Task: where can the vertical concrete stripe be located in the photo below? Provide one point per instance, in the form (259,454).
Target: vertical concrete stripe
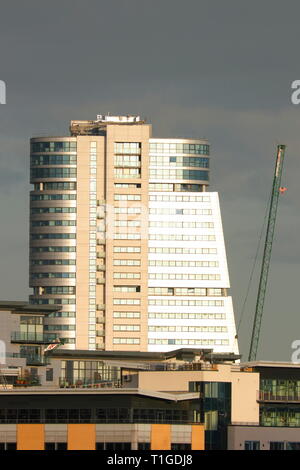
(30,436)
(81,436)
(160,436)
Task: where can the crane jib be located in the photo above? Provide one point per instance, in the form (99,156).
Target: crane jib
(267,254)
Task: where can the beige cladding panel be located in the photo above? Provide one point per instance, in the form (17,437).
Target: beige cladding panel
(122,133)
(244,387)
(82,255)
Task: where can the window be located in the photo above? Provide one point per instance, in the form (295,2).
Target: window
(53,210)
(179,237)
(127,160)
(52,302)
(128,185)
(128,210)
(127,173)
(53,172)
(190,329)
(11,446)
(173,224)
(62,315)
(127,288)
(127,275)
(210,264)
(179,276)
(276,445)
(127,262)
(172,198)
(182,316)
(127,301)
(53,160)
(171,211)
(127,236)
(252,445)
(53,197)
(53,276)
(191,342)
(118,446)
(144,446)
(56,446)
(59,290)
(127,223)
(54,223)
(179,446)
(128,148)
(59,327)
(51,262)
(126,314)
(61,185)
(174,148)
(127,197)
(126,341)
(292,446)
(53,249)
(178,174)
(46,236)
(69,146)
(127,249)
(187,302)
(179,161)
(126,328)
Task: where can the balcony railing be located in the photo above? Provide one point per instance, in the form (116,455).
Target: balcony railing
(31,359)
(64,383)
(25,337)
(275,397)
(191,366)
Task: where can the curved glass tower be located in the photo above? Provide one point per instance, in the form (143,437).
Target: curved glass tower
(125,236)
(53,230)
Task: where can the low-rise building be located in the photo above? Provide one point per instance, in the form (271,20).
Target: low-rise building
(23,341)
(55,398)
(278,397)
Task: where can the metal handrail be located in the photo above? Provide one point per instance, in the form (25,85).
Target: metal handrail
(33,337)
(270,396)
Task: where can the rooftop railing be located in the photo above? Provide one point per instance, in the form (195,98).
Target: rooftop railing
(85,383)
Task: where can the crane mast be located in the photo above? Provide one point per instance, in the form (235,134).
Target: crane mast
(267,253)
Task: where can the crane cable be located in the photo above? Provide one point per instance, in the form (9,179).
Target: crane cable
(254,265)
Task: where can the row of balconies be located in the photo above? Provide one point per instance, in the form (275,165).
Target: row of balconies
(26,337)
(264,396)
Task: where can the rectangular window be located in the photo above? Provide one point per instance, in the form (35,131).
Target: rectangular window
(252,445)
(126,314)
(126,341)
(126,328)
(276,445)
(133,148)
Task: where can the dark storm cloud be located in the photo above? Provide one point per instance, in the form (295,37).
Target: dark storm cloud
(222,70)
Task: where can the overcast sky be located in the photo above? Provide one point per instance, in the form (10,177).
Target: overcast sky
(199,68)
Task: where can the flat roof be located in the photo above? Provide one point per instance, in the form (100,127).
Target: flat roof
(278,364)
(26,307)
(176,353)
(184,354)
(104,391)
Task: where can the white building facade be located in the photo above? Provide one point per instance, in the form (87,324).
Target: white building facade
(188,303)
